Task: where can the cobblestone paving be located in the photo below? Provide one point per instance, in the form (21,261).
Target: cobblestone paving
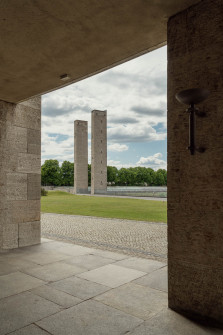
(136,238)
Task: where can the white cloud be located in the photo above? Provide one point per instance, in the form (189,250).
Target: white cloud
(120,165)
(117,147)
(111,162)
(134,95)
(134,133)
(155,161)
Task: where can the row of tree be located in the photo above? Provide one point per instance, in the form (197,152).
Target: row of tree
(53,174)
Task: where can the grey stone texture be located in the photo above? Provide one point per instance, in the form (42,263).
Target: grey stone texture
(111,275)
(20,168)
(30,330)
(23,309)
(136,238)
(139,301)
(170,323)
(80,156)
(33,186)
(81,288)
(195,187)
(88,262)
(58,297)
(98,151)
(140,264)
(75,305)
(156,280)
(91,318)
(29,233)
(44,258)
(17,282)
(53,272)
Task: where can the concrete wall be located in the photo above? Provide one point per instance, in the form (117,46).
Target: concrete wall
(20,173)
(195,185)
(98,151)
(80,156)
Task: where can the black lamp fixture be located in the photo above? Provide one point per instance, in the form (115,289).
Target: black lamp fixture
(191,97)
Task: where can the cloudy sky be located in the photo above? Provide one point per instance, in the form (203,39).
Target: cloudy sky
(134,95)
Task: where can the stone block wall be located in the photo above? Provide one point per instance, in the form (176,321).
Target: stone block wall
(80,157)
(98,151)
(20,173)
(195,184)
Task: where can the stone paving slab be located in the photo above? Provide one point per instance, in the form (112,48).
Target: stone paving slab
(30,330)
(46,257)
(157,280)
(167,322)
(136,238)
(135,299)
(79,287)
(23,309)
(58,297)
(11,262)
(111,275)
(141,264)
(54,271)
(17,282)
(89,262)
(91,318)
(109,254)
(76,305)
(69,249)
(6,268)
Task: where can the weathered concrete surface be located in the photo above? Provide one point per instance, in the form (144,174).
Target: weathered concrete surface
(20,173)
(81,38)
(195,186)
(80,156)
(98,151)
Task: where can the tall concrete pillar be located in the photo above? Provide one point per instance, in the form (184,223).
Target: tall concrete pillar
(98,151)
(80,157)
(195,184)
(20,173)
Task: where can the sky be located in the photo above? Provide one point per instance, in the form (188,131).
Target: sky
(134,95)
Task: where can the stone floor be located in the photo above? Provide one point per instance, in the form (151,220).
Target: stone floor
(65,289)
(135,238)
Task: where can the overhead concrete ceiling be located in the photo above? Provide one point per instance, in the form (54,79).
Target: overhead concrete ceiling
(40,40)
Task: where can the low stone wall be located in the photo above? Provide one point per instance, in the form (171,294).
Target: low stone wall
(159,192)
(68,189)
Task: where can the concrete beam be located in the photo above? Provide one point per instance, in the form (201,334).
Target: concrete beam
(42,40)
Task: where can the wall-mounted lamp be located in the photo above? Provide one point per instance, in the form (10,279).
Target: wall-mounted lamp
(191,97)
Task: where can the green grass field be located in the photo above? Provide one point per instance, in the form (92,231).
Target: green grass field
(108,207)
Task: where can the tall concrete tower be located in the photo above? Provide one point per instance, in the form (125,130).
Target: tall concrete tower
(80,156)
(98,151)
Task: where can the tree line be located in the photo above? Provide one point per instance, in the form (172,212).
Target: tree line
(54,174)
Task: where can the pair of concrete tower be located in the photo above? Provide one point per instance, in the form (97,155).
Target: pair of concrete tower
(98,154)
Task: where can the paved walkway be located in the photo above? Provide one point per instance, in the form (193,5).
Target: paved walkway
(136,238)
(60,288)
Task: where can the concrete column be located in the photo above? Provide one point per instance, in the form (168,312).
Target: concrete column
(20,173)
(195,184)
(80,157)
(98,151)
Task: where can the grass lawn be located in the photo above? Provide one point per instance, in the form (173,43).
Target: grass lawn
(108,207)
